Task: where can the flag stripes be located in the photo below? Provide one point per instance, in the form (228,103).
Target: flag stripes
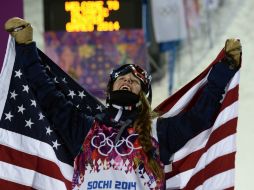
(193,158)
(219,165)
(222,180)
(35,163)
(29,177)
(229,114)
(212,152)
(6,184)
(24,144)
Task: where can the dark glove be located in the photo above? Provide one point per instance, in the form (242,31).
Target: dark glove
(20,29)
(233,50)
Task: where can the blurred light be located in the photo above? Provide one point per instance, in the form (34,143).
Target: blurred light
(86,15)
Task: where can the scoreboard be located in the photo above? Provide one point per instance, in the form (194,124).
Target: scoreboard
(92,15)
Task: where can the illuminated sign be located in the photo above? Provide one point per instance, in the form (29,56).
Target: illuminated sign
(88,16)
(92,15)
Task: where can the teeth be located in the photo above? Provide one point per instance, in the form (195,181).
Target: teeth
(125,88)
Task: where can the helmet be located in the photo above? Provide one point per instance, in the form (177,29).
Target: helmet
(138,72)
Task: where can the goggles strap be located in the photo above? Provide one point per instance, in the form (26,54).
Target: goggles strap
(125,107)
(119,113)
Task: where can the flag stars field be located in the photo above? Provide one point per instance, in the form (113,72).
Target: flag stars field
(13,95)
(81,94)
(55,79)
(64,80)
(33,103)
(29,123)
(8,116)
(55,144)
(25,88)
(18,73)
(41,116)
(21,109)
(88,108)
(48,130)
(99,108)
(48,67)
(71,93)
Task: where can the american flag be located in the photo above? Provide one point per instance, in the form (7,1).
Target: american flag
(207,161)
(32,154)
(34,157)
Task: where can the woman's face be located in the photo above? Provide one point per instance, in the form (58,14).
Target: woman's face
(127,82)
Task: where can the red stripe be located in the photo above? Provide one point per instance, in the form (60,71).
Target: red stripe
(31,162)
(171,101)
(219,165)
(191,160)
(231,97)
(220,133)
(8,185)
(166,105)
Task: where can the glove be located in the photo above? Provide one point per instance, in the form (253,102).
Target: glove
(20,29)
(233,50)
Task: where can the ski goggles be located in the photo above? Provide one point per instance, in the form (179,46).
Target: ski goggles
(137,71)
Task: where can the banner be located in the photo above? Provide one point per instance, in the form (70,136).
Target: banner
(90,57)
(168,20)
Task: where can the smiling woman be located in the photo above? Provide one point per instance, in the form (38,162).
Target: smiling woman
(128,82)
(129,79)
(132,78)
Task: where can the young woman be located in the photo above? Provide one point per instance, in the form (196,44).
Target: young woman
(125,147)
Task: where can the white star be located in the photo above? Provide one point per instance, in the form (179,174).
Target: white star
(89,108)
(25,88)
(55,79)
(55,144)
(21,109)
(64,80)
(41,116)
(48,130)
(29,123)
(47,67)
(71,93)
(8,116)
(13,95)
(81,94)
(18,73)
(33,103)
(99,108)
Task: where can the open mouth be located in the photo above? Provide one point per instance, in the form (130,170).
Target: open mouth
(124,87)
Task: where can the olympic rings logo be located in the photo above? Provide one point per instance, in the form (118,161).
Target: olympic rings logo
(107,142)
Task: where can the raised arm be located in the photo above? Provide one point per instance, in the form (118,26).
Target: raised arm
(66,118)
(174,132)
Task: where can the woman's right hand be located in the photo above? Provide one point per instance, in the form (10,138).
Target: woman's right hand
(20,29)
